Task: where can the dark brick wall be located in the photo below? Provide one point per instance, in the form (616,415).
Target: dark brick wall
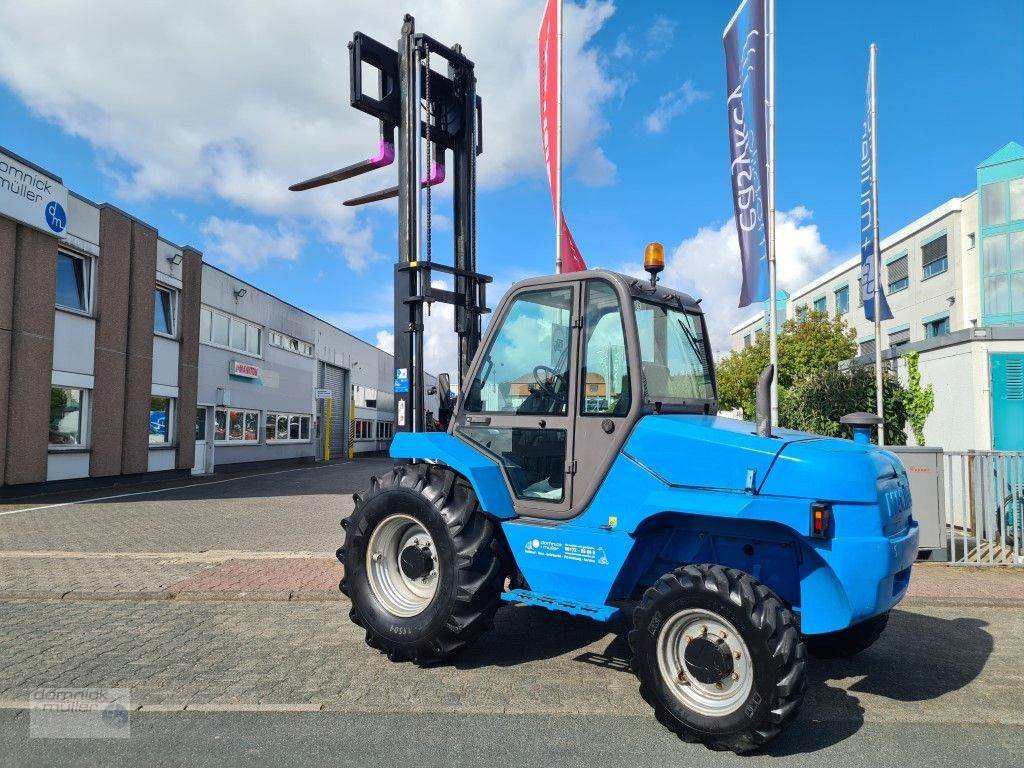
(31,356)
(139,363)
(113,272)
(8,243)
(188,355)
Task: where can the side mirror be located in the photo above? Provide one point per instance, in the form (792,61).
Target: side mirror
(444,387)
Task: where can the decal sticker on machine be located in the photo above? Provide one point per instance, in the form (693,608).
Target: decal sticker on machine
(580,553)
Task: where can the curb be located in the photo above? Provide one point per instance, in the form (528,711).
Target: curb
(253,596)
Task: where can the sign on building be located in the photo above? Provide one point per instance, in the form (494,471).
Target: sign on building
(32,197)
(245,370)
(322,394)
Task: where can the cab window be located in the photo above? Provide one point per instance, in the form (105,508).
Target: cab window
(526,369)
(605,382)
(672,353)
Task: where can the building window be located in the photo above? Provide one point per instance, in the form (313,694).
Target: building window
(934,257)
(220,330)
(385,429)
(746,341)
(67,417)
(899,338)
(161,415)
(821,305)
(165,311)
(284,341)
(364,429)
(843,300)
(972,240)
(73,282)
(937,327)
(200,423)
(236,426)
(1017,200)
(993,204)
(898,277)
(867,347)
(288,427)
(1002,259)
(801,312)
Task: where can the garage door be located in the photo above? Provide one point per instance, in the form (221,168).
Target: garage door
(333,378)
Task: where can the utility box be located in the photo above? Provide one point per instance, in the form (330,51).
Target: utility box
(924,468)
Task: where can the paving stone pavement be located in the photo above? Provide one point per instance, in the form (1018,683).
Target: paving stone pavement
(936,663)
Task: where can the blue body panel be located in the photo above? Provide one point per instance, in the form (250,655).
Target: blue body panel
(678,493)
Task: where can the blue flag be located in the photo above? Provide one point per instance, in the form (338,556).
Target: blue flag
(744,39)
(868,213)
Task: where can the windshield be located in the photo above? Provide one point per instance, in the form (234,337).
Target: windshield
(673,353)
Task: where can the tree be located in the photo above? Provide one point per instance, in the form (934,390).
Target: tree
(814,343)
(817,402)
(920,402)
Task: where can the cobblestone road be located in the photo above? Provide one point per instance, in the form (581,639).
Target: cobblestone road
(223,597)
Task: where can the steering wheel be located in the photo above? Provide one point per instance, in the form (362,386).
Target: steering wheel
(545,377)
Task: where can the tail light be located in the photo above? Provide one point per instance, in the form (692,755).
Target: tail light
(821,519)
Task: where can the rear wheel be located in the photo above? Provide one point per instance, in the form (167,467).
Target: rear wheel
(718,656)
(847,642)
(421,564)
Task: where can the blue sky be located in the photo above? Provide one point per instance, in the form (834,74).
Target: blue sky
(198,129)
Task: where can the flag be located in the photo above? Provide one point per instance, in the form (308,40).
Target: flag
(868,213)
(547,49)
(745,58)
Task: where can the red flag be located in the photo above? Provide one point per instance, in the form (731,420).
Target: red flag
(547,49)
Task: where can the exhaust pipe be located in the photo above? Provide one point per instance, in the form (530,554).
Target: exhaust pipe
(763,417)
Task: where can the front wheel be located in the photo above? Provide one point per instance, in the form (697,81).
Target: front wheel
(421,564)
(718,656)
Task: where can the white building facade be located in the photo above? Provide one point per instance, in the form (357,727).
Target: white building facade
(954,280)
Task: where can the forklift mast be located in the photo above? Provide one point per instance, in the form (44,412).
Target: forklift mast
(431,113)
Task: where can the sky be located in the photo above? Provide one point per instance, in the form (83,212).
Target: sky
(195,117)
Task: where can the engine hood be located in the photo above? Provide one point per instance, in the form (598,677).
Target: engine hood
(721,453)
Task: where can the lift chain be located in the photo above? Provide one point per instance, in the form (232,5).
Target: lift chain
(430,156)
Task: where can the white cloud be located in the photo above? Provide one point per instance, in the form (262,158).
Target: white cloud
(213,103)
(386,341)
(659,37)
(241,246)
(595,169)
(671,105)
(707,266)
(623,49)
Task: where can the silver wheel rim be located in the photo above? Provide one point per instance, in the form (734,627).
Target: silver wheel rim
(711,699)
(396,592)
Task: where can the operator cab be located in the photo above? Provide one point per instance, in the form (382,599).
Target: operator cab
(567,367)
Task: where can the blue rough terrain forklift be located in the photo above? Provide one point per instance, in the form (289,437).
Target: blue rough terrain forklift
(584,468)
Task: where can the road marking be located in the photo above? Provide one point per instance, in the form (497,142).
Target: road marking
(167,490)
(209,556)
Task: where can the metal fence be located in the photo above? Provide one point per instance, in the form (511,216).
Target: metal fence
(984,503)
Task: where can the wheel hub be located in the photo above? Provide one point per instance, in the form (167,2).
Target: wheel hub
(704,662)
(709,660)
(402,565)
(416,561)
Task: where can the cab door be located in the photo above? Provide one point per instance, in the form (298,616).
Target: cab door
(521,401)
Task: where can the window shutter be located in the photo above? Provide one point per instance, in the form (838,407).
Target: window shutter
(867,347)
(898,270)
(1015,379)
(933,251)
(900,337)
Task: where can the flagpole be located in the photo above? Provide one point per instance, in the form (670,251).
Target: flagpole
(558,150)
(879,404)
(773,341)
